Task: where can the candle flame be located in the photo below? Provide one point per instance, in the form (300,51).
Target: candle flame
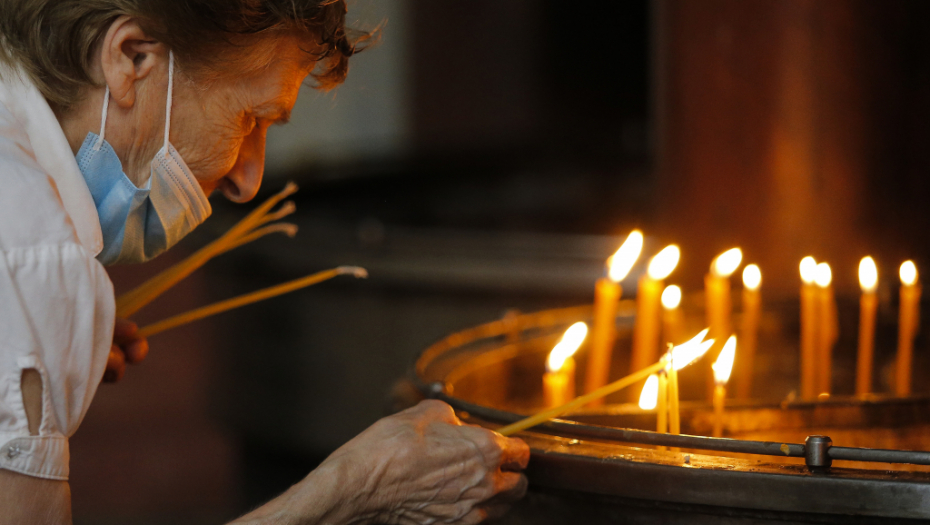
(671,297)
(567,346)
(808,270)
(908,273)
(664,262)
(724,363)
(626,256)
(690,351)
(727,262)
(824,275)
(868,274)
(752,277)
(649,397)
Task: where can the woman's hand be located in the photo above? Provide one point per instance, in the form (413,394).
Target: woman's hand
(423,465)
(127,347)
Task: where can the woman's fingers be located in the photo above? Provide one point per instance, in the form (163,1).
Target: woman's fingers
(124,331)
(125,335)
(509,486)
(116,365)
(515,453)
(136,351)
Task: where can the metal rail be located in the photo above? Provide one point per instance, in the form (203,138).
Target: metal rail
(818,451)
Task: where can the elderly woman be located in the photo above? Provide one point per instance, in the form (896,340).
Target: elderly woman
(117,119)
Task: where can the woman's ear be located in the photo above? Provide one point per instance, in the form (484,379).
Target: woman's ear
(128,55)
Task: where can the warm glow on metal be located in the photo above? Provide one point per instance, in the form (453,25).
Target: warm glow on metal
(649,397)
(724,363)
(567,346)
(908,273)
(727,262)
(689,352)
(752,276)
(671,297)
(664,262)
(622,261)
(823,276)
(868,274)
(808,270)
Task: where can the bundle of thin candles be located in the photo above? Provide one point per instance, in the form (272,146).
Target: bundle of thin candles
(252,227)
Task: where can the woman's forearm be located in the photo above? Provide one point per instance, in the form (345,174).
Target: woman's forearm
(327,495)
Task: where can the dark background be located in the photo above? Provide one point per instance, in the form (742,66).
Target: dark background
(490,155)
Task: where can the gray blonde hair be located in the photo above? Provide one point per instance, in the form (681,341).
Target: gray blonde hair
(53,41)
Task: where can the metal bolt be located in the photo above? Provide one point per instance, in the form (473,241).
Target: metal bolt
(817,453)
(437,388)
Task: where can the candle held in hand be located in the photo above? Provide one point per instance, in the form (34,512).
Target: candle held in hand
(607,293)
(559,379)
(868,305)
(908,322)
(808,328)
(689,352)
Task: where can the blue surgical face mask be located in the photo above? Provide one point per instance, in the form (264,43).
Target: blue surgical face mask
(139,223)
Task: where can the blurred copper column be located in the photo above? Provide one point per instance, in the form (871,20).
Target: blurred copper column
(760,130)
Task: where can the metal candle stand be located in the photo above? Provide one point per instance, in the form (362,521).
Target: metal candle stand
(578,466)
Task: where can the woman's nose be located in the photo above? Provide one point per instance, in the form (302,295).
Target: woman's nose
(242,182)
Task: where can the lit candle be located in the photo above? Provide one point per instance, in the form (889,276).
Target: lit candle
(908,322)
(606,295)
(684,355)
(648,299)
(671,314)
(717,297)
(680,357)
(808,328)
(662,394)
(826,331)
(722,368)
(868,304)
(559,379)
(752,304)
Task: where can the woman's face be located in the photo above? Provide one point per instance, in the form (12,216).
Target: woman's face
(219,128)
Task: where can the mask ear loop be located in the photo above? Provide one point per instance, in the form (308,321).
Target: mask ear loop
(170,97)
(103,120)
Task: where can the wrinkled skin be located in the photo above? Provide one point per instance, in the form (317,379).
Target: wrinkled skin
(420,466)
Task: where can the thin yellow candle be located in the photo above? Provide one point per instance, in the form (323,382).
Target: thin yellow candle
(648,298)
(680,357)
(868,305)
(671,314)
(607,293)
(825,331)
(559,379)
(749,335)
(717,298)
(662,401)
(689,352)
(249,298)
(808,328)
(722,368)
(908,322)
(652,398)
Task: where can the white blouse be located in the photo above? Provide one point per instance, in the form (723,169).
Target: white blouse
(56,301)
